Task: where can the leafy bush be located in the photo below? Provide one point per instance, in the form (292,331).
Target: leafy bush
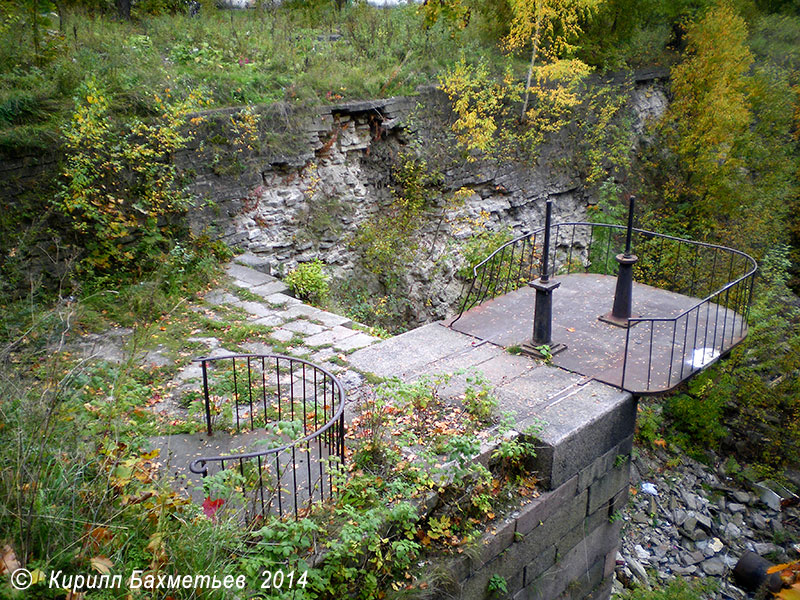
(309,283)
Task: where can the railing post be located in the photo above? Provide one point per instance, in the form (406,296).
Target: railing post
(623,295)
(207,398)
(543,307)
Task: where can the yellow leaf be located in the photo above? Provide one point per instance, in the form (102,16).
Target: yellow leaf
(793,593)
(779,568)
(37,576)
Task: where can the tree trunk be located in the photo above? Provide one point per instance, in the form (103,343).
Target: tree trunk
(530,66)
(124,9)
(35,24)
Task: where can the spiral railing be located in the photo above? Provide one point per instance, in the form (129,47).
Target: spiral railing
(299,406)
(719,278)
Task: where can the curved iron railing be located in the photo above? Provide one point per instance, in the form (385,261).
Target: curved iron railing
(300,407)
(720,278)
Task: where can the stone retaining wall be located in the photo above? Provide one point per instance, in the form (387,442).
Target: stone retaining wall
(561,545)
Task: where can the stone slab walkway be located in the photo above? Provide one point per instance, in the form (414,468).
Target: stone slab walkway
(295,329)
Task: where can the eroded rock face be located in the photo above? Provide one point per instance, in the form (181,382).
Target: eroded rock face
(312,202)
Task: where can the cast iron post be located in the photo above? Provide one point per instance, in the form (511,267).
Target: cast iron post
(543,307)
(623,295)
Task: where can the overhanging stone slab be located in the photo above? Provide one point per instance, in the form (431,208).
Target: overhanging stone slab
(247,275)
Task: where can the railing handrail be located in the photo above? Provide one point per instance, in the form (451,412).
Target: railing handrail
(198,466)
(646,233)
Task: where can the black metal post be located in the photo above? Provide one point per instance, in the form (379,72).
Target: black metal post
(207,397)
(623,295)
(543,307)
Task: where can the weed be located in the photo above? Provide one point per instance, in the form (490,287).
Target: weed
(546,352)
(479,398)
(497,585)
(309,283)
(677,589)
(648,425)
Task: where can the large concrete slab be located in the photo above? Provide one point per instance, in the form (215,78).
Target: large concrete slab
(408,353)
(660,354)
(580,418)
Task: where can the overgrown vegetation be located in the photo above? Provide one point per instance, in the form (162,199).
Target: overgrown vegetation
(84,494)
(81,493)
(308,282)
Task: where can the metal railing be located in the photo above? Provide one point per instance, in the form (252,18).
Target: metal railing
(720,278)
(298,406)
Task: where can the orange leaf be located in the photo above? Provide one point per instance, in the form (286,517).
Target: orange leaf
(660,443)
(778,568)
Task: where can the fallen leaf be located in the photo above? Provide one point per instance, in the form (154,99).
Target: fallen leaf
(8,560)
(210,507)
(793,593)
(101,564)
(37,576)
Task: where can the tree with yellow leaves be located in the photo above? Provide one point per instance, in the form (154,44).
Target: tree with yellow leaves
(550,26)
(711,111)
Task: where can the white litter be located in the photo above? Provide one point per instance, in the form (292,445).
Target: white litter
(649,488)
(703,356)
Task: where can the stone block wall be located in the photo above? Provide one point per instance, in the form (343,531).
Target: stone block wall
(563,544)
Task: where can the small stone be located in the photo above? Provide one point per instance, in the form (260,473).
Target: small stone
(641,553)
(741,497)
(759,522)
(692,558)
(732,531)
(640,517)
(692,501)
(691,569)
(730,561)
(738,519)
(736,507)
(715,545)
(734,592)
(639,572)
(713,566)
(679,516)
(703,521)
(762,549)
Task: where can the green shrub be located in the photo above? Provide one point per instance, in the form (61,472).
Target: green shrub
(480,246)
(309,283)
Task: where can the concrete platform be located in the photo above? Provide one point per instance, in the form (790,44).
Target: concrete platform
(660,354)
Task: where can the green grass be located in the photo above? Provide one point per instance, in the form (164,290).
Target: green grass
(236,57)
